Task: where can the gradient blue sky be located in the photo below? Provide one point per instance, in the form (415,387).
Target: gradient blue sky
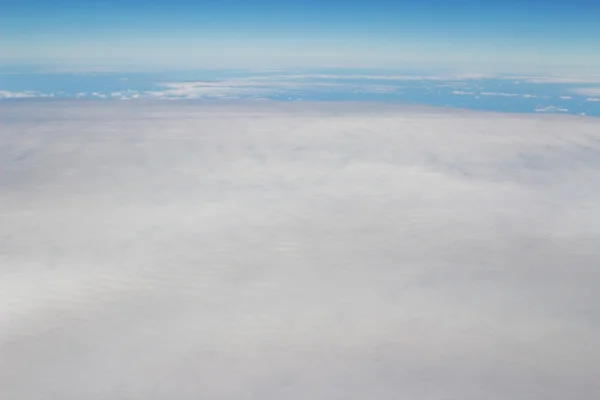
(309,33)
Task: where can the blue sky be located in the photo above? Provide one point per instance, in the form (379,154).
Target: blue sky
(266,33)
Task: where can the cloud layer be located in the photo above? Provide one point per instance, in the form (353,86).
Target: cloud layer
(267,250)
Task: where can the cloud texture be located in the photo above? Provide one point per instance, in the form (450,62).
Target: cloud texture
(263,250)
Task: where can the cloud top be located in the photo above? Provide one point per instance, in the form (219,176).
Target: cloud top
(275,250)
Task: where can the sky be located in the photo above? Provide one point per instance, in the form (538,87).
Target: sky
(277,250)
(501,35)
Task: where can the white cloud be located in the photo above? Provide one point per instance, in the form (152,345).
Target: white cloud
(593,99)
(462,93)
(297,251)
(551,109)
(500,94)
(257,86)
(7,94)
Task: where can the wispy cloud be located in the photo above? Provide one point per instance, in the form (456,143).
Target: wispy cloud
(589,91)
(584,78)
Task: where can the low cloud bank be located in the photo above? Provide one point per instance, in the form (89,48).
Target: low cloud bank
(266,250)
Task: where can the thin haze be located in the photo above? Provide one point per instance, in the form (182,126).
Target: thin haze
(269,33)
(297,251)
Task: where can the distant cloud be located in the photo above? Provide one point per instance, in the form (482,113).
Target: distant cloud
(462,93)
(258,86)
(6,94)
(393,77)
(587,78)
(500,94)
(551,109)
(590,91)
